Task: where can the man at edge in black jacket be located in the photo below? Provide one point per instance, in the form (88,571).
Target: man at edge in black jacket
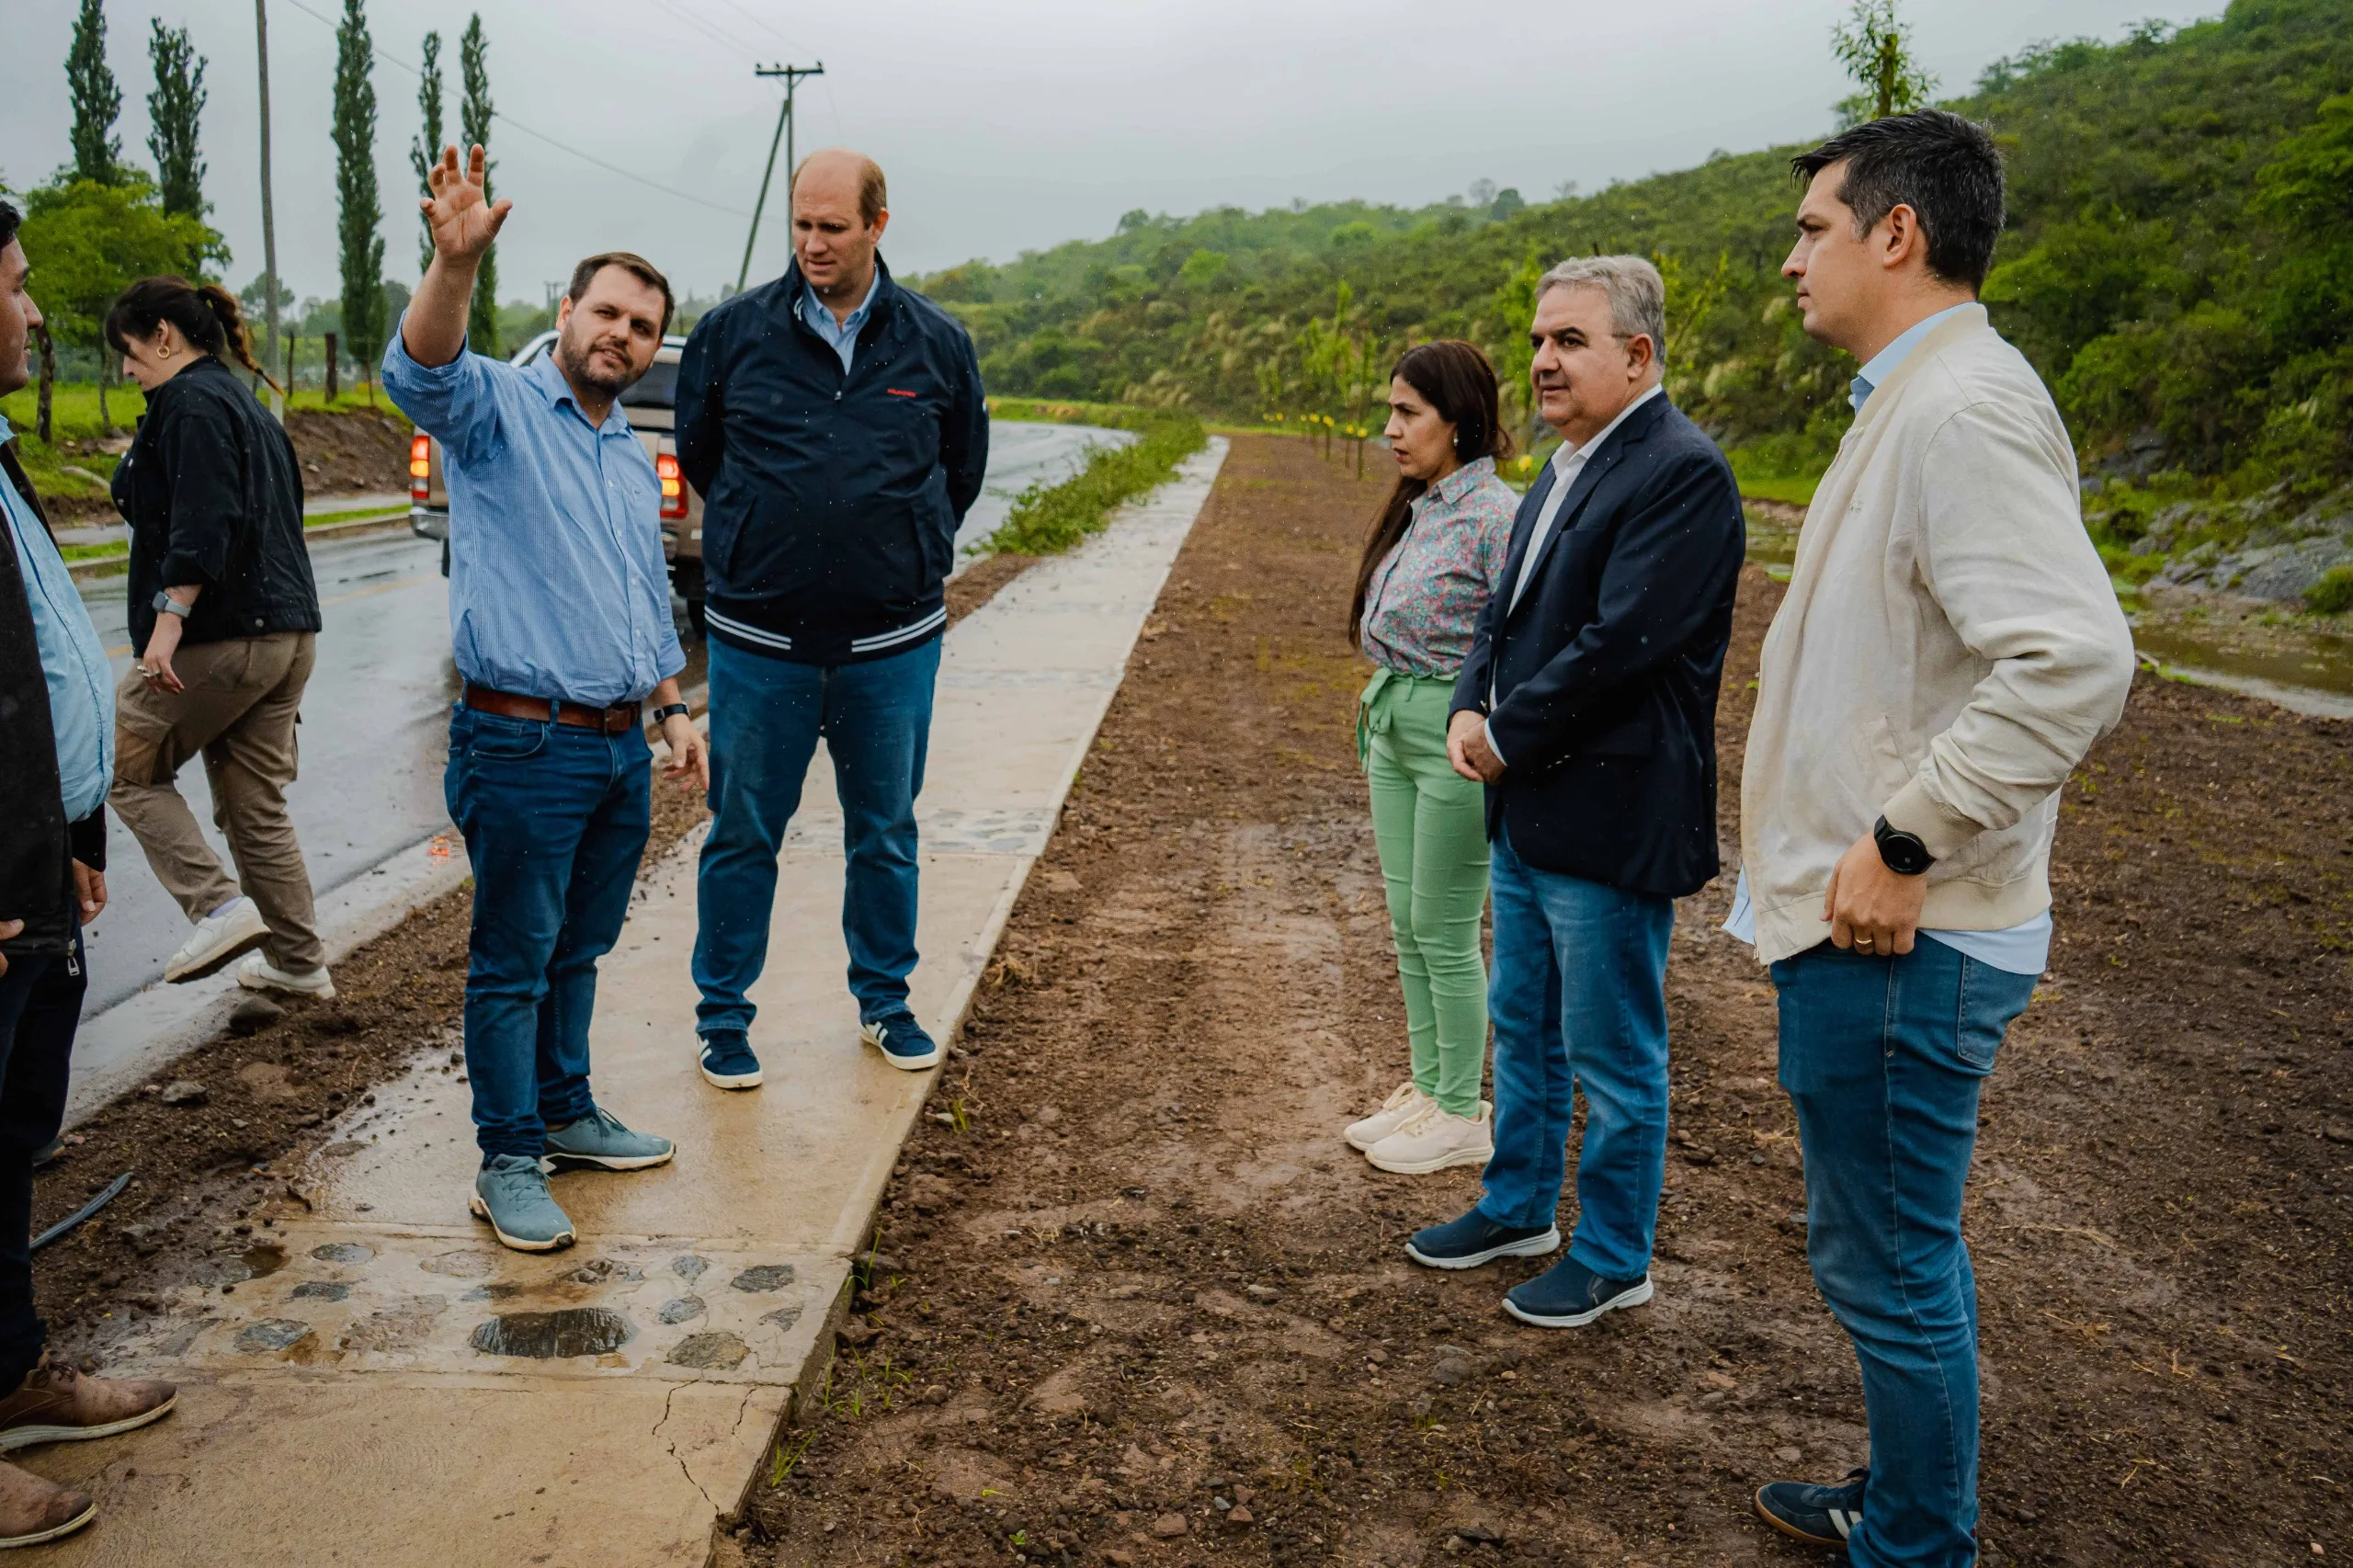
(835,426)
(1587,706)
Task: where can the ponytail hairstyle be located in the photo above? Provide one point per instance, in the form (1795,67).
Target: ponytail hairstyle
(1460,387)
(205,314)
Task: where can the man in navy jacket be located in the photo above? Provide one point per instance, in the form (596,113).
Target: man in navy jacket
(1587,705)
(835,425)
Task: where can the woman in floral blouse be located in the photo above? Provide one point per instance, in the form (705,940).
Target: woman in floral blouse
(1433,556)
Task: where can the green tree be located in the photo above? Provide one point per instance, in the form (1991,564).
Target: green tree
(475,112)
(173,110)
(423,151)
(358,214)
(1876,49)
(97,151)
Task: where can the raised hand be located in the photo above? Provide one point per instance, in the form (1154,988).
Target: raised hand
(464,219)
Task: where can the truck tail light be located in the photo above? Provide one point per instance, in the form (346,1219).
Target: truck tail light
(674,488)
(420,467)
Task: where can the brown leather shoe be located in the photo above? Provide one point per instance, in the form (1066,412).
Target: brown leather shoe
(57,1405)
(33,1510)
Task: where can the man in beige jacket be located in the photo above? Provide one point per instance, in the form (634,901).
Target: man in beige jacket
(1948,651)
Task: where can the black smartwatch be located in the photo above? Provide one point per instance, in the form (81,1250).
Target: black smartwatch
(662,714)
(1903,852)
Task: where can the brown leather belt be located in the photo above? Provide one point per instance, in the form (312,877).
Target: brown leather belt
(613,721)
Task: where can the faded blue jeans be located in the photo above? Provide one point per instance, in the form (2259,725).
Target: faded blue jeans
(767,716)
(555,818)
(1579,1001)
(1883,1057)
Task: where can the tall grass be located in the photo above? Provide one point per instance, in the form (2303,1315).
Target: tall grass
(1046,520)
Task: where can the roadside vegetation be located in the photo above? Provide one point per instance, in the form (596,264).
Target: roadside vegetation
(2179,267)
(1050,519)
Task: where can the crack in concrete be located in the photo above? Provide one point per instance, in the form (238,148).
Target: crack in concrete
(671,1446)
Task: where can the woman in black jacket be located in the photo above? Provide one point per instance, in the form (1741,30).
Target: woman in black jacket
(225,613)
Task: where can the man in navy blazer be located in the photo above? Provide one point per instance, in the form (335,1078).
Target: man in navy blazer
(1587,706)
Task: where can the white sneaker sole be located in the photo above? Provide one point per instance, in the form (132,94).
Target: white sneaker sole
(482,1212)
(25,1437)
(242,940)
(751,1080)
(1633,1298)
(68,1528)
(1532,1246)
(1479,1156)
(873,1036)
(324,992)
(558,1160)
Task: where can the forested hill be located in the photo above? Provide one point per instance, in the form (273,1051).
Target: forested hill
(2179,265)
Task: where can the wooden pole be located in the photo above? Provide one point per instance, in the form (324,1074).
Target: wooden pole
(330,369)
(41,425)
(268,222)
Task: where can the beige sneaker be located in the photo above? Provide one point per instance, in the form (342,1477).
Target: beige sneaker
(1399,1108)
(257,973)
(1434,1140)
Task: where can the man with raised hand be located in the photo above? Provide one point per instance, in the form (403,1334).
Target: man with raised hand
(560,612)
(1588,704)
(1948,651)
(835,425)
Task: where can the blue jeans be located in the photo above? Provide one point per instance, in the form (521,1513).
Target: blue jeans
(555,819)
(1882,1058)
(1579,999)
(767,716)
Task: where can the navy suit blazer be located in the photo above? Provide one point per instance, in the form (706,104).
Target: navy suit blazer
(1605,672)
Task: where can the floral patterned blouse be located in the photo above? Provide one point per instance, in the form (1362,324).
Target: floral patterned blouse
(1427,592)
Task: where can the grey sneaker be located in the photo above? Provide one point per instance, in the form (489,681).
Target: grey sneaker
(598,1139)
(511,1192)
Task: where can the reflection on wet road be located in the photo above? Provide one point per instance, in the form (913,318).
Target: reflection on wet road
(374,727)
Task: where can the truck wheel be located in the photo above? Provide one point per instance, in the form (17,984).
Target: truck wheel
(444,555)
(694,618)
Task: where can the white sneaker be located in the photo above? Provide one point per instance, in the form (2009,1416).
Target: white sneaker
(1404,1104)
(235,927)
(1434,1140)
(257,973)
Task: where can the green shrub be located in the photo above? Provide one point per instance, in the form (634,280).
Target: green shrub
(2332,594)
(1048,519)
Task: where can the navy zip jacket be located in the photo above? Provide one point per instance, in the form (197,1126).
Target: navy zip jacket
(830,501)
(1604,672)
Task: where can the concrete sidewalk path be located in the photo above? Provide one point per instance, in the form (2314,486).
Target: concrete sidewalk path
(379,1384)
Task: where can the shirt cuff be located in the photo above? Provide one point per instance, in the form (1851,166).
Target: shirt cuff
(1488,729)
(1914,811)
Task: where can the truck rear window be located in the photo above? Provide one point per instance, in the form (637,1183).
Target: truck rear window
(657,389)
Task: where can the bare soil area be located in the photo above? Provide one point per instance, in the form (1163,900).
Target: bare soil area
(1138,1303)
(352,452)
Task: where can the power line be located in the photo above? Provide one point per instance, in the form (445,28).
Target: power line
(512,123)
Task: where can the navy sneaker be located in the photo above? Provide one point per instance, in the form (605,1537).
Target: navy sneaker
(1570,1295)
(901,1040)
(1474,1238)
(728,1061)
(1819,1515)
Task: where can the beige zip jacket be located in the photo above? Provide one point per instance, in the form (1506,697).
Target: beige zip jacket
(1949,649)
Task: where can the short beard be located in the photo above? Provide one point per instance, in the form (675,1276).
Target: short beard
(576,367)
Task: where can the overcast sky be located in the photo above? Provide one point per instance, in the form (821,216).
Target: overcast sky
(1003,127)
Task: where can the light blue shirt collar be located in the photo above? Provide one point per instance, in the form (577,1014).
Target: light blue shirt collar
(1883,365)
(843,335)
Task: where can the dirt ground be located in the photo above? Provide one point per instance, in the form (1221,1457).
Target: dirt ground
(349,453)
(1139,1304)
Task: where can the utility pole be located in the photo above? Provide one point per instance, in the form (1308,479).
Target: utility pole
(268,223)
(784,131)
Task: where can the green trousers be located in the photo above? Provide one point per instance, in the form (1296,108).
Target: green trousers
(1430,824)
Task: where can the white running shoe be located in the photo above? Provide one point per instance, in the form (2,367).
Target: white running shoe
(234,929)
(257,973)
(1404,1104)
(1435,1140)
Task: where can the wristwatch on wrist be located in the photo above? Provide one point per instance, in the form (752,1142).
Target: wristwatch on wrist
(662,714)
(1903,852)
(167,605)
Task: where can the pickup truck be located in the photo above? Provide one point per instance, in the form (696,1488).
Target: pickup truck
(649,405)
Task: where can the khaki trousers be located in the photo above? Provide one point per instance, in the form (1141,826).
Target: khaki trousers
(238,712)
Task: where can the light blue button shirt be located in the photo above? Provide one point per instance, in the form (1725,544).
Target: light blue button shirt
(73,659)
(557,587)
(2023,949)
(842,334)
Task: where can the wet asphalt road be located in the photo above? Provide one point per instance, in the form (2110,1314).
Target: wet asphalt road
(374,729)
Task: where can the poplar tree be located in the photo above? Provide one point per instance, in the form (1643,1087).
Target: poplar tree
(425,151)
(173,109)
(97,152)
(1875,47)
(355,184)
(474,113)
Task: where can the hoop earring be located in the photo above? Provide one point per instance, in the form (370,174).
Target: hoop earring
(165,352)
